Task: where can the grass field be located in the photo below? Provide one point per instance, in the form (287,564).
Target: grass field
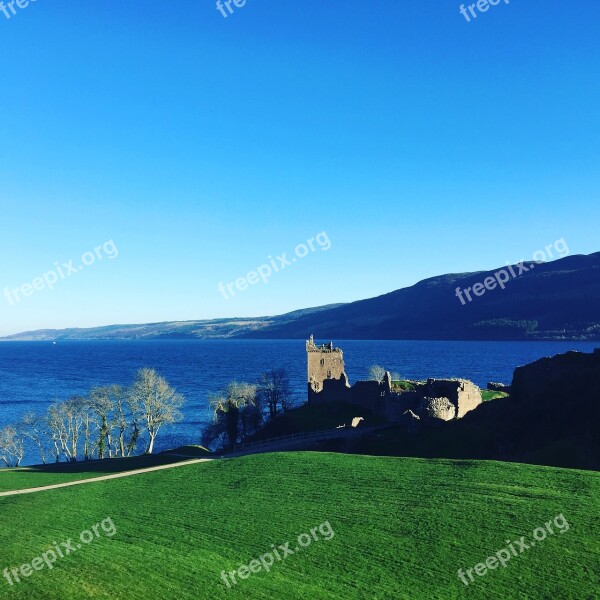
(408,386)
(487,395)
(29,477)
(403,527)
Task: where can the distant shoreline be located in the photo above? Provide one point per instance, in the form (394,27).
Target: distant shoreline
(558,301)
(281,339)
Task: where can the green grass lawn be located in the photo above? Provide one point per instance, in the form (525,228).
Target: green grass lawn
(403,527)
(30,477)
(487,395)
(407,386)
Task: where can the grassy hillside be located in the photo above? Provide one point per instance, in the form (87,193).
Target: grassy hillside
(403,527)
(30,477)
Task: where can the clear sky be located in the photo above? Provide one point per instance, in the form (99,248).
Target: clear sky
(201,145)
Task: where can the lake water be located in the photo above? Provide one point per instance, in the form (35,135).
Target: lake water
(33,374)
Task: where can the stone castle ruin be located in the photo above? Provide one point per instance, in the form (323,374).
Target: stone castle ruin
(433,400)
(325,363)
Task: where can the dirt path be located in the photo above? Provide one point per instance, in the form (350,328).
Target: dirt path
(104,477)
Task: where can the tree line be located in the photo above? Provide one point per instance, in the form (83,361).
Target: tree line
(117,422)
(242,409)
(110,422)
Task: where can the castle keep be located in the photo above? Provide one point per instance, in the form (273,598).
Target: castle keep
(324,363)
(433,400)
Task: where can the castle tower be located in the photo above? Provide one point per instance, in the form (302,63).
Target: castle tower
(324,362)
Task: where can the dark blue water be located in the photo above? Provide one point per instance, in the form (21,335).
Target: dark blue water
(33,374)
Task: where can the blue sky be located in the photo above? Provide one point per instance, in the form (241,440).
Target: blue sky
(422,144)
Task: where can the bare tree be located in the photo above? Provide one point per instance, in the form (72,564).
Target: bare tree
(134,437)
(66,420)
(236,414)
(156,403)
(274,391)
(226,420)
(12,448)
(90,425)
(376,373)
(119,421)
(214,434)
(108,405)
(244,395)
(79,423)
(56,429)
(35,428)
(125,422)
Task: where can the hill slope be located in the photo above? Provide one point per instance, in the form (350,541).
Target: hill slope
(402,529)
(554,300)
(203,329)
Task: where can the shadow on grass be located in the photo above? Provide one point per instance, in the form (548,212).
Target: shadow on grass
(109,465)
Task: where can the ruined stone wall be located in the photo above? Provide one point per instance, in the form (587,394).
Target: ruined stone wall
(463,394)
(370,394)
(438,399)
(437,408)
(332,390)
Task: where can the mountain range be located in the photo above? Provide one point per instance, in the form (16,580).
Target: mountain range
(558,300)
